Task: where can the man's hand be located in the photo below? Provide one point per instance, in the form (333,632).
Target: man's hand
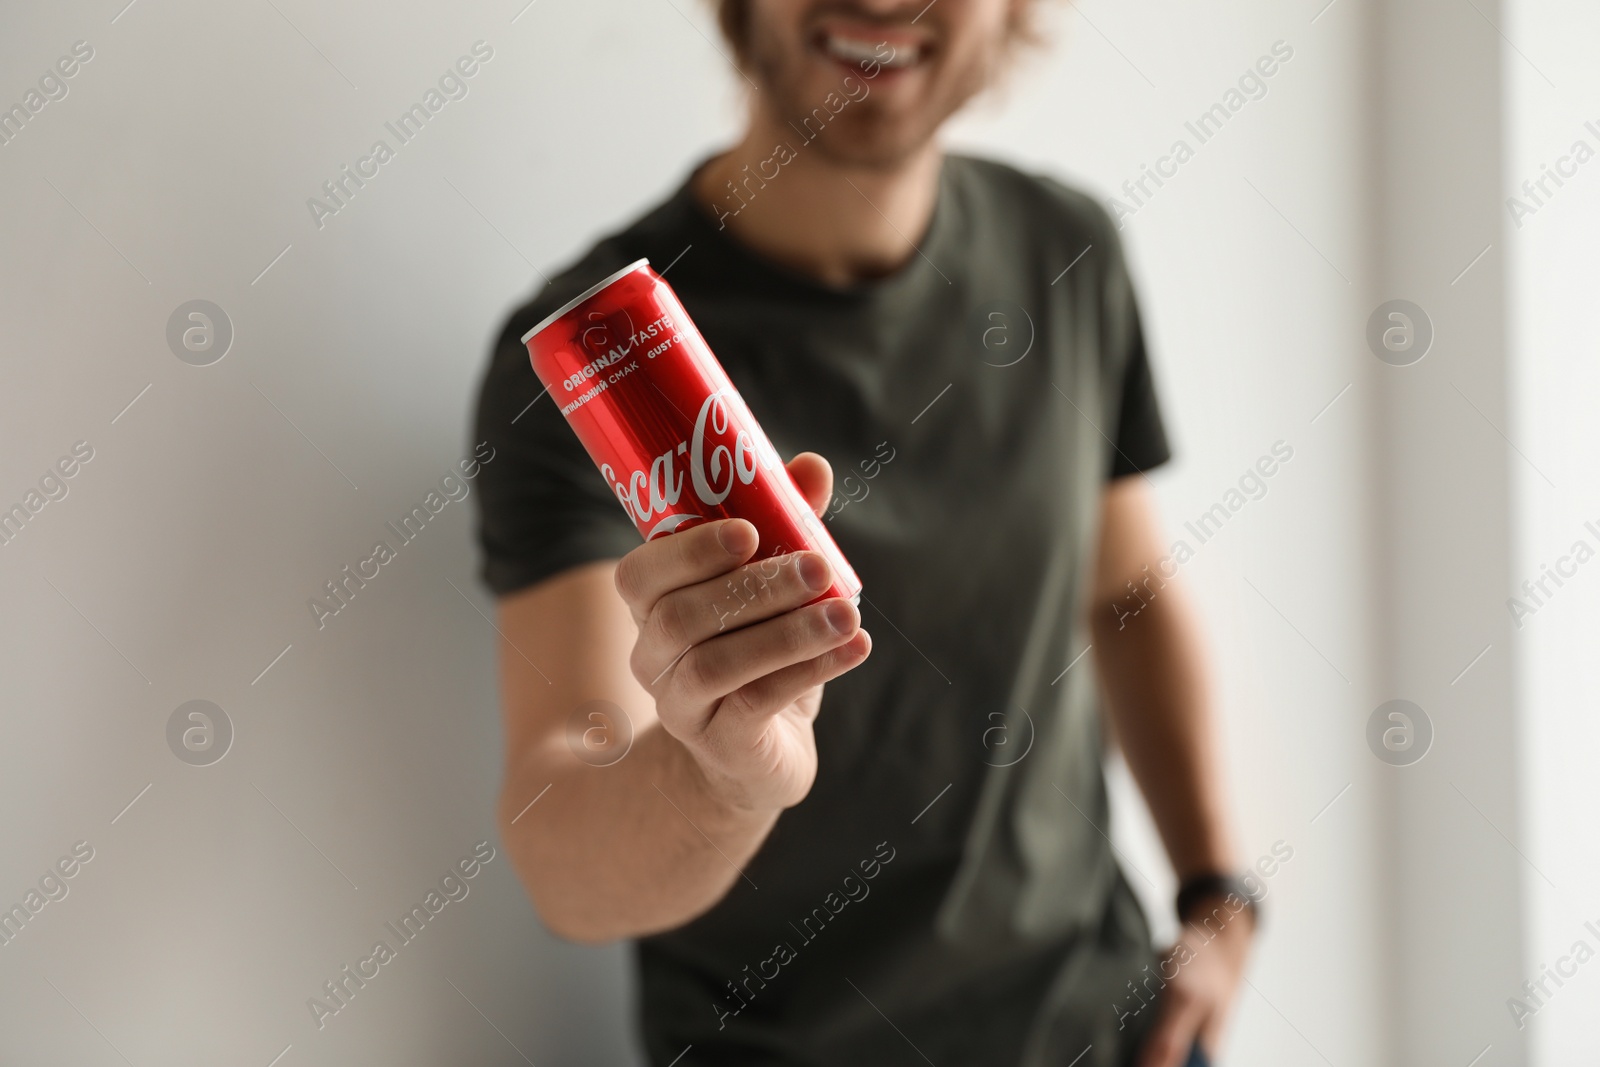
(717,665)
(735,662)
(1196,1002)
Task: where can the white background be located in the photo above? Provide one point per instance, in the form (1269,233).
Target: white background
(366,758)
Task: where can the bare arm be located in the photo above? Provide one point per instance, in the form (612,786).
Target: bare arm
(1148,645)
(720,684)
(1152,663)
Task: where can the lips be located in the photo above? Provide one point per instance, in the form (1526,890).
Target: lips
(865,49)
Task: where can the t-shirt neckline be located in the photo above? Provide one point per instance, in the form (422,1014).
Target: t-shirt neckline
(913,272)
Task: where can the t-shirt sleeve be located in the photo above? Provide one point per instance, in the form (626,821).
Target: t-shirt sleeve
(542,505)
(1141,435)
(1140,438)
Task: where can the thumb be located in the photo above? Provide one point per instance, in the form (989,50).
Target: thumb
(814,478)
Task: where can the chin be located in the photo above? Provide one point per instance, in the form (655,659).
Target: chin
(864,123)
(873,146)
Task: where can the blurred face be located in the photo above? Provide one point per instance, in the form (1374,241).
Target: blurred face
(899,67)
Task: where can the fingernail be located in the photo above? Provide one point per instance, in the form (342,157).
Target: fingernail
(815,573)
(841,620)
(732,538)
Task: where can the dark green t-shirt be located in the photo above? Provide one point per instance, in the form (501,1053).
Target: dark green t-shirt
(946,890)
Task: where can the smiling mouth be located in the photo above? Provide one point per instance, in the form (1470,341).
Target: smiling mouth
(869,54)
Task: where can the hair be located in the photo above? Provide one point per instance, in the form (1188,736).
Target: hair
(733,18)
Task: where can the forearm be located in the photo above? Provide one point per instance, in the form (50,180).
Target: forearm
(626,850)
(720,720)
(1152,667)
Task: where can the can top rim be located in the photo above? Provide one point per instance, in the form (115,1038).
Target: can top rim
(586,294)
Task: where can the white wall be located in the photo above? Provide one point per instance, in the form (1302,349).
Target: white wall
(1553,267)
(190,544)
(366,758)
(1444,477)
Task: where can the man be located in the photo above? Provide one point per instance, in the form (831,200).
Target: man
(836,848)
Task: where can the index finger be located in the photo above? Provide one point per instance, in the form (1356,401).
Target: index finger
(697,554)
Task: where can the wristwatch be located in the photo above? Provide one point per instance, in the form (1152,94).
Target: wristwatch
(1200,887)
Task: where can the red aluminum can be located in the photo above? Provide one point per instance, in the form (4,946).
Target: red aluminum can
(668,431)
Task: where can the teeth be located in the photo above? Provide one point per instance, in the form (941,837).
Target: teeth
(855,50)
(903,56)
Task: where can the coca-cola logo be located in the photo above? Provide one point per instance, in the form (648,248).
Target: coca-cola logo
(723,450)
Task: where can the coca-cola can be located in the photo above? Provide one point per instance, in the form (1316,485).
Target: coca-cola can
(664,425)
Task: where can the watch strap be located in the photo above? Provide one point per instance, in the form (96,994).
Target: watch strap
(1200,887)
